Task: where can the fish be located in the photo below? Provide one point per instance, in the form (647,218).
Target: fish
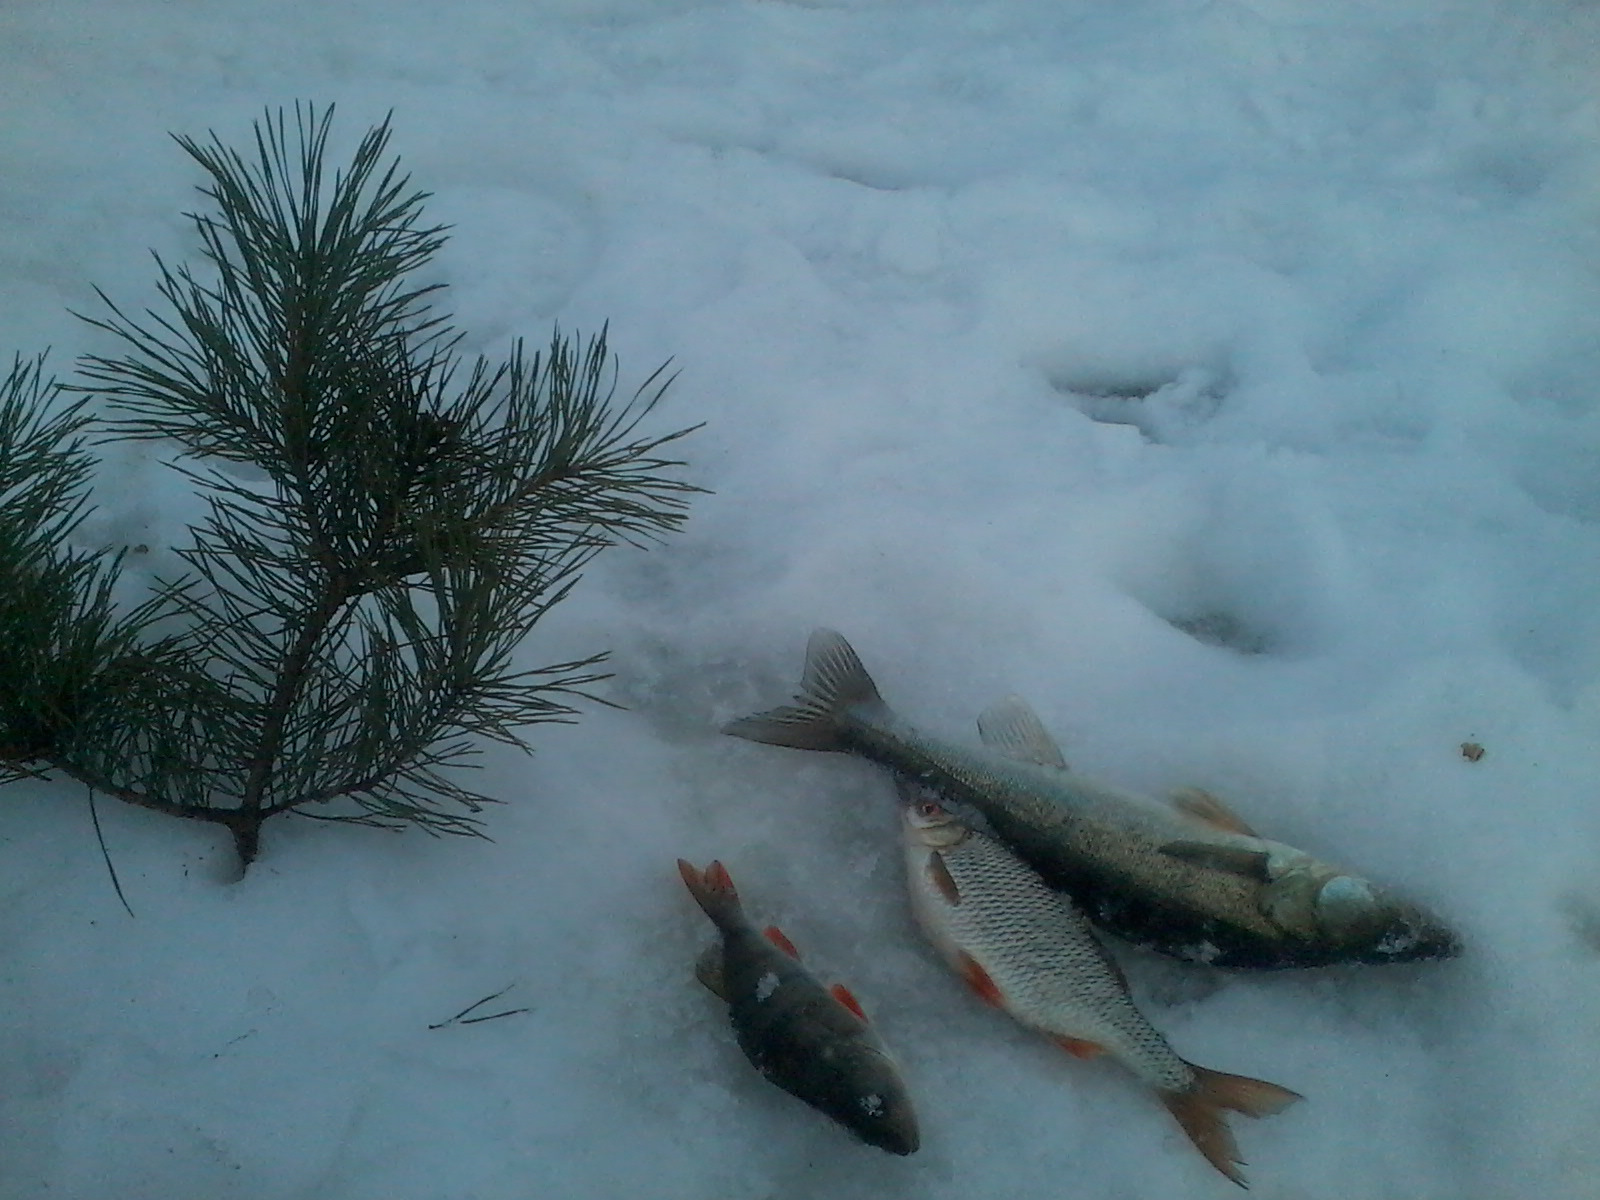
(1188,878)
(813,1041)
(1024,948)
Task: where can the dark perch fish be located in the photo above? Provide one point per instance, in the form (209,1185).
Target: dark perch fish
(812,1041)
(1189,879)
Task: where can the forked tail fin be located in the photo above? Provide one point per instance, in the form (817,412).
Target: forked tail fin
(1202,1112)
(834,682)
(714,891)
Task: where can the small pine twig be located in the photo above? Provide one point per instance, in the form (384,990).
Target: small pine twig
(348,631)
(461,1017)
(94,815)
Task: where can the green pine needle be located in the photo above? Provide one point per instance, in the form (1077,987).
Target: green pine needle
(382,527)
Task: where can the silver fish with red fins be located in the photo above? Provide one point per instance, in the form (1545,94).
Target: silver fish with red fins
(1023,947)
(1189,879)
(814,1042)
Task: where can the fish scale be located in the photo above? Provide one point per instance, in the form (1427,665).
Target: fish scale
(1040,953)
(1187,877)
(1026,949)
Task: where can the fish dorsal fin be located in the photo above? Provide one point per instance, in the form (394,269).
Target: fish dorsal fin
(779,939)
(1203,806)
(847,998)
(1013,728)
(1236,860)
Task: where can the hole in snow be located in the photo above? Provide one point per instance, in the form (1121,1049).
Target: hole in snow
(1240,563)
(1224,629)
(1161,408)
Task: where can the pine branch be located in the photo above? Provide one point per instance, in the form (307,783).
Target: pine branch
(65,653)
(382,528)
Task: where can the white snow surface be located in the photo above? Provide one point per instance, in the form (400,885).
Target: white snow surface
(1220,376)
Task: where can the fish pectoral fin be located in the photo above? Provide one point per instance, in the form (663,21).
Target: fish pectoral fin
(981,982)
(847,998)
(1078,1047)
(1236,860)
(708,969)
(779,939)
(939,874)
(1203,806)
(1013,728)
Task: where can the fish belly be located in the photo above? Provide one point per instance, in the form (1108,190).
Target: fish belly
(1102,849)
(1043,958)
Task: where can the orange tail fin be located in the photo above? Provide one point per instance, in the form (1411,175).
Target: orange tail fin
(1202,1112)
(714,891)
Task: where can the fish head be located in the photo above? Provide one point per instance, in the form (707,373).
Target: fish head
(932,824)
(1359,920)
(873,1102)
(1356,919)
(1385,928)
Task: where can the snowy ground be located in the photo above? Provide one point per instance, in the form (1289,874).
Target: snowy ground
(1220,376)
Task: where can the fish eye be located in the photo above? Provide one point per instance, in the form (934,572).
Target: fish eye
(928,809)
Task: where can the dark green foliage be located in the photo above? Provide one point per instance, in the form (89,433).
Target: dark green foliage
(65,651)
(382,524)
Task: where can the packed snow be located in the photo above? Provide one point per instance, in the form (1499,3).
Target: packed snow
(1220,376)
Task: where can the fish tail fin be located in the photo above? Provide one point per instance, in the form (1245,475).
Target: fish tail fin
(834,682)
(1202,1111)
(713,890)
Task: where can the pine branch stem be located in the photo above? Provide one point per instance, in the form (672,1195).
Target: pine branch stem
(139,799)
(351,626)
(291,679)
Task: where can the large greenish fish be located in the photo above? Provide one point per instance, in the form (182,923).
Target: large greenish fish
(1189,878)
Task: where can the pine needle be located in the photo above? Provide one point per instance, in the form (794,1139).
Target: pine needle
(461,1017)
(381,523)
(111,870)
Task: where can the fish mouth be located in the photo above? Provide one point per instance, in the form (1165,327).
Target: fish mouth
(900,1141)
(1355,911)
(883,1115)
(894,1128)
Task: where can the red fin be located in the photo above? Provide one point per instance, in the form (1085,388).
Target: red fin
(1078,1047)
(712,890)
(777,938)
(1203,806)
(1252,1097)
(847,998)
(979,981)
(939,872)
(717,877)
(1207,1127)
(1200,1111)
